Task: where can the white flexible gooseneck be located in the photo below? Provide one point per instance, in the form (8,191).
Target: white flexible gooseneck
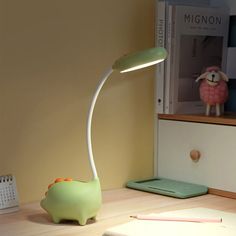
(89,122)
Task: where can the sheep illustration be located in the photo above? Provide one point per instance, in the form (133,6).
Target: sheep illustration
(213,89)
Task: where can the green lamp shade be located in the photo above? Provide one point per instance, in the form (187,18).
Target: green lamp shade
(141,59)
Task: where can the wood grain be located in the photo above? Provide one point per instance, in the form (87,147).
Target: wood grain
(116,209)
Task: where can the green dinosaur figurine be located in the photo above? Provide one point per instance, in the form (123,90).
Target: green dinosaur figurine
(72,200)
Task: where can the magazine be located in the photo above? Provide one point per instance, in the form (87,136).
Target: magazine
(192,43)
(198,40)
(162,39)
(160,68)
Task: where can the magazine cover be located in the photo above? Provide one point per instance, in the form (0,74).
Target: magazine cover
(198,40)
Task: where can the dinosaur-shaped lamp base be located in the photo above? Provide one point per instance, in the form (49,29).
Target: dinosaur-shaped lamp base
(68,199)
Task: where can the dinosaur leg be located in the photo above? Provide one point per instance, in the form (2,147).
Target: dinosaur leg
(56,219)
(82,220)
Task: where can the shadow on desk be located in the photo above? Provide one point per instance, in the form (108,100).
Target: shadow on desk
(45,219)
(40,218)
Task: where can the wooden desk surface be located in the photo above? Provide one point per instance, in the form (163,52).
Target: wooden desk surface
(117,206)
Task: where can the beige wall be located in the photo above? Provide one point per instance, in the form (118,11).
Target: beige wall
(52,55)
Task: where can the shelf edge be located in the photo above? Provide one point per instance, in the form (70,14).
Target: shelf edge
(199,118)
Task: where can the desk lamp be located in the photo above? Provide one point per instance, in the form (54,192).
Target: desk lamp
(68,199)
